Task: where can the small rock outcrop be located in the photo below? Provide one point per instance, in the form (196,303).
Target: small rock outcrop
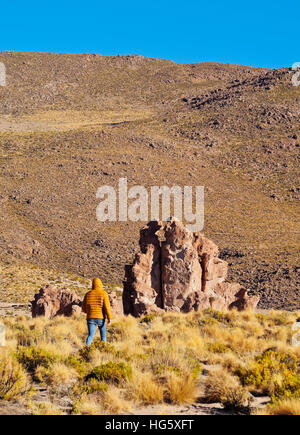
(178,270)
(53,301)
(116,304)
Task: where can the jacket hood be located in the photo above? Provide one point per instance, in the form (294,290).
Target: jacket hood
(97,284)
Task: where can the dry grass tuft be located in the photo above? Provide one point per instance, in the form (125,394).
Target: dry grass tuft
(14,381)
(284,407)
(181,389)
(88,406)
(222,387)
(58,375)
(44,408)
(115,403)
(145,389)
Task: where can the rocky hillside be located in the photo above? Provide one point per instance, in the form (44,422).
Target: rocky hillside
(71,123)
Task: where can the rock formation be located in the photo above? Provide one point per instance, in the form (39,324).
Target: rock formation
(178,270)
(53,301)
(116,304)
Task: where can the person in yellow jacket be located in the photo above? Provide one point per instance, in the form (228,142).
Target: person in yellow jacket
(97,308)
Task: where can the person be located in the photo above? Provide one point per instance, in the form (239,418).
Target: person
(96,306)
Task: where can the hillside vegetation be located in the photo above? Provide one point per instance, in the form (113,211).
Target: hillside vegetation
(199,363)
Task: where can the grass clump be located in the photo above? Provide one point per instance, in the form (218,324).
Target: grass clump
(57,375)
(223,387)
(90,386)
(219,316)
(283,407)
(148,318)
(14,381)
(87,406)
(86,353)
(81,366)
(145,390)
(44,408)
(217,348)
(113,372)
(180,389)
(31,357)
(273,372)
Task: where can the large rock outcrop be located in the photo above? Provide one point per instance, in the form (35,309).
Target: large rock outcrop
(53,301)
(178,270)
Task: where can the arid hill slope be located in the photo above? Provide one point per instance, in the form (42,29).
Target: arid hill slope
(71,123)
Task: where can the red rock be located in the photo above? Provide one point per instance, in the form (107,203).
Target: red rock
(178,270)
(181,272)
(142,285)
(53,301)
(116,304)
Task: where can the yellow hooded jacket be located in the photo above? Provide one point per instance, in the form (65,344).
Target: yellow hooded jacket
(96,303)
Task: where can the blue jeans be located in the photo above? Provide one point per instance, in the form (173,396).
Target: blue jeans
(92,324)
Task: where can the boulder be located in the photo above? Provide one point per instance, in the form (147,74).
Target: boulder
(178,270)
(53,301)
(116,303)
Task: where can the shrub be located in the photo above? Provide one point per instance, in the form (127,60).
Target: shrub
(261,318)
(13,379)
(275,372)
(57,375)
(161,368)
(222,387)
(111,372)
(217,348)
(80,366)
(89,387)
(147,319)
(32,357)
(86,352)
(192,367)
(220,317)
(41,374)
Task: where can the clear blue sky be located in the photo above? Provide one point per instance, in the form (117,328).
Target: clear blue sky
(258,33)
